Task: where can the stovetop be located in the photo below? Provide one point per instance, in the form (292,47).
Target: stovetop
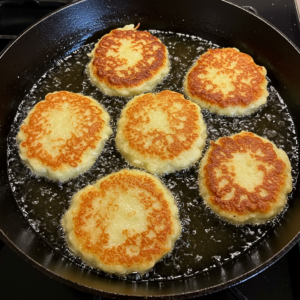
(19,280)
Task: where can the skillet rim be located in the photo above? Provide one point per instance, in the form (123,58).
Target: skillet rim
(204,291)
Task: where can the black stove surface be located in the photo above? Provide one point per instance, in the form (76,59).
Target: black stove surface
(19,280)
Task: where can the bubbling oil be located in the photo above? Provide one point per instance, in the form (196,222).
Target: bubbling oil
(206,241)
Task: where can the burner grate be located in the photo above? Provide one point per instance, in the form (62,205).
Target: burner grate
(16,16)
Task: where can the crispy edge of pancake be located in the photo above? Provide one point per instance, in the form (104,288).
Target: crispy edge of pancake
(231,111)
(92,260)
(156,165)
(250,218)
(126,92)
(68,172)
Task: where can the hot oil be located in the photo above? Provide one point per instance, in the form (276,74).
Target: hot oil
(206,241)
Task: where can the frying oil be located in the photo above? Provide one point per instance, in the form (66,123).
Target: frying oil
(206,240)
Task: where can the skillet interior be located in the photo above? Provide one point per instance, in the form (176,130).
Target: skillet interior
(35,52)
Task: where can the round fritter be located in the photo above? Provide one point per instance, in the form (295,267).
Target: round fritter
(227,82)
(127,62)
(245,178)
(124,223)
(63,135)
(161,133)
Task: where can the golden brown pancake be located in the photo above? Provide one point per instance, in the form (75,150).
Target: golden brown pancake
(128,62)
(63,135)
(227,82)
(161,133)
(124,223)
(245,178)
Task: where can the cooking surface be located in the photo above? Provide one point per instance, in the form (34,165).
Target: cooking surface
(205,241)
(276,282)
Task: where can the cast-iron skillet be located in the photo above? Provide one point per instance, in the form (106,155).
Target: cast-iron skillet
(37,49)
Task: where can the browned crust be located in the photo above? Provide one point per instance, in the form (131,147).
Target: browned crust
(149,248)
(274,178)
(71,151)
(183,123)
(243,93)
(104,66)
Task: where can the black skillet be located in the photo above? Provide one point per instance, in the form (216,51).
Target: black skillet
(37,49)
